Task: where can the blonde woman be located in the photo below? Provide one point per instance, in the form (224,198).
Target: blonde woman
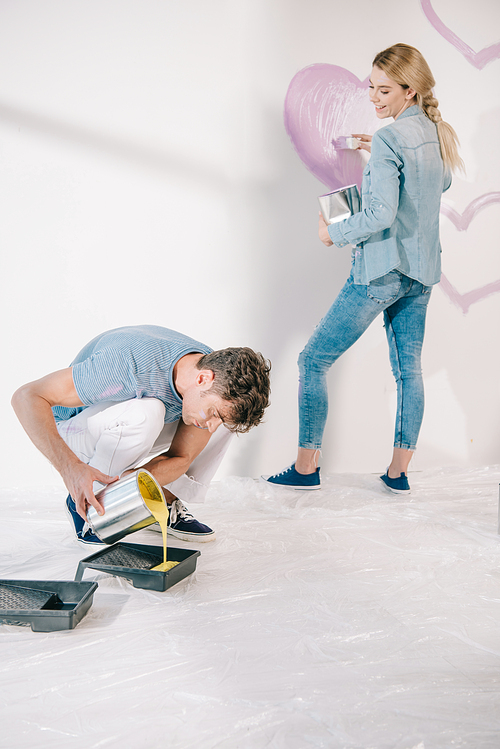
(396,260)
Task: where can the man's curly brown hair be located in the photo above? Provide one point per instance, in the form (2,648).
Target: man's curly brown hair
(241,377)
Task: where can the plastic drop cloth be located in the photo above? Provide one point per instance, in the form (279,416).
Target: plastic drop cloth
(348,618)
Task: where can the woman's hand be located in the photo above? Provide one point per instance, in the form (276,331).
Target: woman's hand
(365,142)
(323,231)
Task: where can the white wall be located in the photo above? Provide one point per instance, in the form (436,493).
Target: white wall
(146,177)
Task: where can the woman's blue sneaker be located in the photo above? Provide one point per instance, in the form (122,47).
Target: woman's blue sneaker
(80,526)
(397,486)
(291,479)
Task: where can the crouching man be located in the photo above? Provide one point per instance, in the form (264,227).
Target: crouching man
(144,396)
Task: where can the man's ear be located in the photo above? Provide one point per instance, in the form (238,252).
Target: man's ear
(205,378)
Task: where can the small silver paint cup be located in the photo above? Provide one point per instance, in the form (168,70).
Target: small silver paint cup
(346,142)
(125,510)
(340,204)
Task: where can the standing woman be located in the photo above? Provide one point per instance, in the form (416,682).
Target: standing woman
(396,260)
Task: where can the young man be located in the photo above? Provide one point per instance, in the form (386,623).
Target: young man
(142,392)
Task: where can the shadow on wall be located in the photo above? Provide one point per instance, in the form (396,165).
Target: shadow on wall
(471,287)
(294,278)
(291,277)
(118,148)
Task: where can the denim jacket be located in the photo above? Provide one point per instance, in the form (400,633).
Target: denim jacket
(398,226)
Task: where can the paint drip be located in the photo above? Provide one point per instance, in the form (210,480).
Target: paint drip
(156,504)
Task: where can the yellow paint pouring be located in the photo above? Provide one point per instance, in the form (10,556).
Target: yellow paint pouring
(155,502)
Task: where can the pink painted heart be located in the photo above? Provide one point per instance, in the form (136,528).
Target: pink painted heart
(461,222)
(323,103)
(478,59)
(464,301)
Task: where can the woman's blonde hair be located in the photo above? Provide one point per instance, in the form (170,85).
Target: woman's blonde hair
(407,66)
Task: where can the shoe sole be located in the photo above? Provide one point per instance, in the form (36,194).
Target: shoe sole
(395,491)
(91,543)
(263,480)
(192,537)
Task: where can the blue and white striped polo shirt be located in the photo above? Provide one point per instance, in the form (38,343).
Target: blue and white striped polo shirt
(130,362)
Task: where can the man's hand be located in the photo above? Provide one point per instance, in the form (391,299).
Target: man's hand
(365,142)
(323,231)
(79,480)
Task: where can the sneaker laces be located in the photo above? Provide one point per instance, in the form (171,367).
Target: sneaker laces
(86,527)
(292,466)
(285,470)
(179,511)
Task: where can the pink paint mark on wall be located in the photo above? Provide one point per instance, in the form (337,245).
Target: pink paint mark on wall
(464,301)
(478,59)
(463,220)
(323,104)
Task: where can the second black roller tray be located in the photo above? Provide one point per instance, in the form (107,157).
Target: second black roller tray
(45,605)
(134,562)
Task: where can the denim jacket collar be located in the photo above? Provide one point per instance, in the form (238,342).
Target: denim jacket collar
(410,111)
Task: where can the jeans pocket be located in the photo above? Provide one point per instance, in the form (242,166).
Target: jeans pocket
(385,289)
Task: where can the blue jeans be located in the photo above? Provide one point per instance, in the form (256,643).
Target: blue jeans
(404,304)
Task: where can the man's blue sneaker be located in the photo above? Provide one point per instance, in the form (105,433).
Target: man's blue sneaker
(291,479)
(182,525)
(397,486)
(81,527)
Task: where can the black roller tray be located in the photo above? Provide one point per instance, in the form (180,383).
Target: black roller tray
(134,562)
(45,605)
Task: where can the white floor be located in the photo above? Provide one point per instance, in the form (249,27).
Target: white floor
(347,618)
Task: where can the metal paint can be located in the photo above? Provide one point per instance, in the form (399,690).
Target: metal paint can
(340,204)
(125,510)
